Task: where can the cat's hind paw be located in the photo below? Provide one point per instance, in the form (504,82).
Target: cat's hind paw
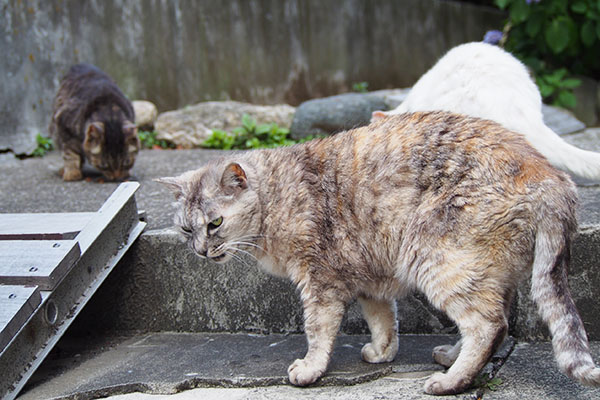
(373,355)
(301,373)
(445,355)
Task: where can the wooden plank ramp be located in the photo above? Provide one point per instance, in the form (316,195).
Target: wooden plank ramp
(50,266)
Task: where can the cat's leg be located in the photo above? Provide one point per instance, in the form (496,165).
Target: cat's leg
(72,166)
(322,318)
(446,355)
(483,329)
(381,318)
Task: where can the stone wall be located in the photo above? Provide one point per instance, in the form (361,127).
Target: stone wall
(180,52)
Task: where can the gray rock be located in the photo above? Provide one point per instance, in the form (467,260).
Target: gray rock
(192,125)
(560,120)
(587,108)
(145,114)
(334,114)
(392,97)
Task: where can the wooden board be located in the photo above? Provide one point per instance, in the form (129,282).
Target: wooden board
(40,263)
(43,226)
(17,303)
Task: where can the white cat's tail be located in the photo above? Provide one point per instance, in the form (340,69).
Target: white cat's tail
(565,156)
(550,291)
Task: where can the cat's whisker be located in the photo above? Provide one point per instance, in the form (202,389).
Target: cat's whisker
(248,244)
(237,257)
(244,252)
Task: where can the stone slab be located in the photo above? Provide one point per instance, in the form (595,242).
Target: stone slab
(163,363)
(183,366)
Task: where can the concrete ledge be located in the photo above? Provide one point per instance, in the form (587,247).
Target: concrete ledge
(161,286)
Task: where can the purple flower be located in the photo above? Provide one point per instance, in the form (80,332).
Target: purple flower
(492,37)
(532,1)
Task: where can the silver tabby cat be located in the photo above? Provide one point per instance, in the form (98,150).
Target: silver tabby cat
(458,208)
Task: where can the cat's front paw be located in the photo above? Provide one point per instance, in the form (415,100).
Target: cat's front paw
(301,373)
(72,174)
(373,355)
(442,384)
(445,355)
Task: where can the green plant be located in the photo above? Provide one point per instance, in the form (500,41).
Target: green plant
(44,145)
(485,382)
(361,87)
(557,86)
(149,141)
(249,136)
(556,39)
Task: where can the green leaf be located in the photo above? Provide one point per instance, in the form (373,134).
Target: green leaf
(546,90)
(262,129)
(557,35)
(248,123)
(588,33)
(534,24)
(519,11)
(598,30)
(579,7)
(502,4)
(493,384)
(570,83)
(566,99)
(555,77)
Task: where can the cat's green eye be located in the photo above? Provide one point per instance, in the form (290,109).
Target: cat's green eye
(215,223)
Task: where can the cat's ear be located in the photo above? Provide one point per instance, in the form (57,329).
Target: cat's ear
(174,184)
(129,128)
(234,179)
(94,137)
(131,137)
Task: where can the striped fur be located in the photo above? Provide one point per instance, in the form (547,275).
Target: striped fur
(455,207)
(93,120)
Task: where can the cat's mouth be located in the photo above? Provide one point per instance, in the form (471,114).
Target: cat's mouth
(219,258)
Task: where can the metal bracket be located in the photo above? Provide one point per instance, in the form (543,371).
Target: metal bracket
(51,279)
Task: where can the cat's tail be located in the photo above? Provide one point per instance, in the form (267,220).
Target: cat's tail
(550,291)
(564,156)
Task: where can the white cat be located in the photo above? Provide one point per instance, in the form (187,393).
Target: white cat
(482,80)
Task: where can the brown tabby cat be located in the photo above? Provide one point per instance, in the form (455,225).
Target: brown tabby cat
(93,119)
(456,207)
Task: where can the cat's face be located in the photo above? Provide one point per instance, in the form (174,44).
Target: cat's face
(112,148)
(218,212)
